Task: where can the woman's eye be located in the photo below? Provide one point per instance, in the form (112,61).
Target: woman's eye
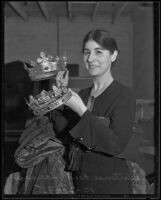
(86,53)
(98,52)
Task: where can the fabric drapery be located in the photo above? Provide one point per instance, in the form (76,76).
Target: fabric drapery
(42,154)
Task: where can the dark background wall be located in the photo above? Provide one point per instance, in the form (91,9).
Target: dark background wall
(143,57)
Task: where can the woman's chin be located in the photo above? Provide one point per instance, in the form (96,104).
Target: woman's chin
(93,72)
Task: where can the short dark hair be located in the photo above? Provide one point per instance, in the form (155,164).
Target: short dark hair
(103,38)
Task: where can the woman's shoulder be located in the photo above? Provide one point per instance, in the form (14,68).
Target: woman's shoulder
(124,88)
(125,93)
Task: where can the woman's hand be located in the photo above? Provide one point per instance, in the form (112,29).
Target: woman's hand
(62,78)
(76,104)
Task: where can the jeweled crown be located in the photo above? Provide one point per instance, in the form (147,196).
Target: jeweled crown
(45,67)
(48,100)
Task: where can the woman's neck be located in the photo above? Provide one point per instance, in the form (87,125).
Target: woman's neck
(101,83)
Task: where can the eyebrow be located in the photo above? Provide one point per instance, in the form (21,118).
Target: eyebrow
(98,48)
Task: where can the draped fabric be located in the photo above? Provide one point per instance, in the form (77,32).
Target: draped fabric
(139,183)
(42,154)
(48,177)
(12,183)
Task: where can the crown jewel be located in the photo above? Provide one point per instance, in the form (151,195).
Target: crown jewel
(45,67)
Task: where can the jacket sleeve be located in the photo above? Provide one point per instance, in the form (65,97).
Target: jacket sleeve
(63,120)
(95,133)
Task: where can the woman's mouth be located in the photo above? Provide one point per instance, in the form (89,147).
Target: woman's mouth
(92,65)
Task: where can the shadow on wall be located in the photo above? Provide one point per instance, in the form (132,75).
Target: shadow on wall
(18,86)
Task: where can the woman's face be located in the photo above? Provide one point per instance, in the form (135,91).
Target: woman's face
(97,59)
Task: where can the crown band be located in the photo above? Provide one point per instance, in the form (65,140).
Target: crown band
(47,101)
(53,105)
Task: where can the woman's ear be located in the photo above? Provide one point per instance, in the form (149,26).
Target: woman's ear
(114,56)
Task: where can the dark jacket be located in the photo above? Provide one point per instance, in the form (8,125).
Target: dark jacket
(105,132)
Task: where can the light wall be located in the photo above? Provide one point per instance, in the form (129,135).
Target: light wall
(25,40)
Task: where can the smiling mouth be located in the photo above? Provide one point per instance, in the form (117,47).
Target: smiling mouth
(92,66)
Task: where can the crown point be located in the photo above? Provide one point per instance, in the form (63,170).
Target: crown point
(42,54)
(50,58)
(39,60)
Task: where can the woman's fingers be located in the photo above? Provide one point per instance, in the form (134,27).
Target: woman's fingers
(65,78)
(62,78)
(59,75)
(58,79)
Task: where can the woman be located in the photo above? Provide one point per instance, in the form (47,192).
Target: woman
(102,126)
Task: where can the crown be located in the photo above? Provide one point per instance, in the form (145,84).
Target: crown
(45,67)
(48,100)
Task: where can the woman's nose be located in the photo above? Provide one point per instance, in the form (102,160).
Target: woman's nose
(90,57)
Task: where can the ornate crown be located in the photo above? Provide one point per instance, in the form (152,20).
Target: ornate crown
(48,100)
(44,67)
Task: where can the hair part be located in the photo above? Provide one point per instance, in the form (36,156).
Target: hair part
(103,38)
